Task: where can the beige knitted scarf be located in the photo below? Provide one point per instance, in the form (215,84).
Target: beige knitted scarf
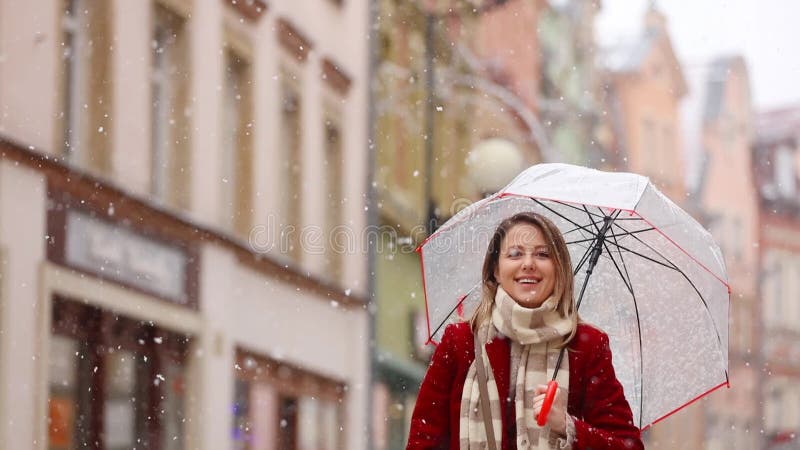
(534,335)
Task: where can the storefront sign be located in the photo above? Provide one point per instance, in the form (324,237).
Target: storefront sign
(121,254)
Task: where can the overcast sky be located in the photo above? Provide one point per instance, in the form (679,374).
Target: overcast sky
(765,32)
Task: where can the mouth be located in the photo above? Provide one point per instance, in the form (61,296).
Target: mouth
(527,281)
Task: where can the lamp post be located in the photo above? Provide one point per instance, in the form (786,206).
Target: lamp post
(493,163)
(430,99)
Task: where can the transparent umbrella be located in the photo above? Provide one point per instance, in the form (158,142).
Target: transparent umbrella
(652,277)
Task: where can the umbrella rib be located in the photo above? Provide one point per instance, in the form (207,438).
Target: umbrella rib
(691,283)
(639,332)
(586,255)
(615,235)
(623,276)
(575,207)
(580,241)
(583,260)
(588,213)
(450,314)
(668,266)
(579,226)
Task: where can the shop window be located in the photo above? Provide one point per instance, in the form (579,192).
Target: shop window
(278,406)
(114,382)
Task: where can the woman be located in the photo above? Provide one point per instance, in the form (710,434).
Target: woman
(527,314)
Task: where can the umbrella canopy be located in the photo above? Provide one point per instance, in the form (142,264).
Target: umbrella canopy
(659,288)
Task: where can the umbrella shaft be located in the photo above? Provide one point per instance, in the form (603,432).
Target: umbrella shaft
(597,249)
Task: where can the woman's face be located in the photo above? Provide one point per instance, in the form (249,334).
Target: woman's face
(525,268)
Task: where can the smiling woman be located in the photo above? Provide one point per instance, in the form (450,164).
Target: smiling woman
(525,269)
(486,382)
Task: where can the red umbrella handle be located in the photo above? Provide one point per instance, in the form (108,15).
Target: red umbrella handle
(549,396)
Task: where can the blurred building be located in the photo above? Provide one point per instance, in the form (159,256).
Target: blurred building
(570,86)
(719,127)
(776,156)
(421,139)
(468,94)
(170,172)
(644,86)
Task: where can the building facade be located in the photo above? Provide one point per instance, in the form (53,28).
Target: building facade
(776,154)
(468,96)
(720,133)
(171,173)
(644,85)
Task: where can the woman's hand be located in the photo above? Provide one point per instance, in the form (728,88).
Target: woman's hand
(557,419)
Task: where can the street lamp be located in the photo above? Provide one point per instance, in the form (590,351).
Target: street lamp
(493,163)
(435,11)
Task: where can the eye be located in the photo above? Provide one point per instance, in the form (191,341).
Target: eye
(514,253)
(543,254)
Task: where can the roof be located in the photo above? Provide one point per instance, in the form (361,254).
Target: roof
(777,125)
(705,104)
(774,128)
(628,56)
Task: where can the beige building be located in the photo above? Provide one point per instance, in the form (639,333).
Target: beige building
(719,129)
(776,154)
(170,173)
(644,88)
(645,85)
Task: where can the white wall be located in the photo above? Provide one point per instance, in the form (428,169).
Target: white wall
(22,235)
(132,99)
(242,308)
(30,37)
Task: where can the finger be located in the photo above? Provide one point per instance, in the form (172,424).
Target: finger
(540,389)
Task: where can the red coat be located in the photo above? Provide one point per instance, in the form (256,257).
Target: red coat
(596,400)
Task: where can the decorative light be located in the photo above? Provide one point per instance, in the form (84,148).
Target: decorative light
(493,163)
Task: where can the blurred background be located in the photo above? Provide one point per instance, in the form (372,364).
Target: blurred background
(209,208)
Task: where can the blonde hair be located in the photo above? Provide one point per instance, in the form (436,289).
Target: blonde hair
(564,282)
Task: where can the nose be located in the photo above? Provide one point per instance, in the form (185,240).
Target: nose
(528,262)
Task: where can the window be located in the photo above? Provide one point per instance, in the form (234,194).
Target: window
(773,288)
(113,380)
(278,406)
(170,94)
(334,191)
(67,360)
(777,407)
(237,146)
(741,328)
(86,84)
(291,171)
(650,147)
(667,156)
(785,171)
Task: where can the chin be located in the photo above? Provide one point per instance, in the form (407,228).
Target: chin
(529,302)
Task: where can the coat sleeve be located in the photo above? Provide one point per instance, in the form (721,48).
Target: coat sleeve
(430,422)
(606,421)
